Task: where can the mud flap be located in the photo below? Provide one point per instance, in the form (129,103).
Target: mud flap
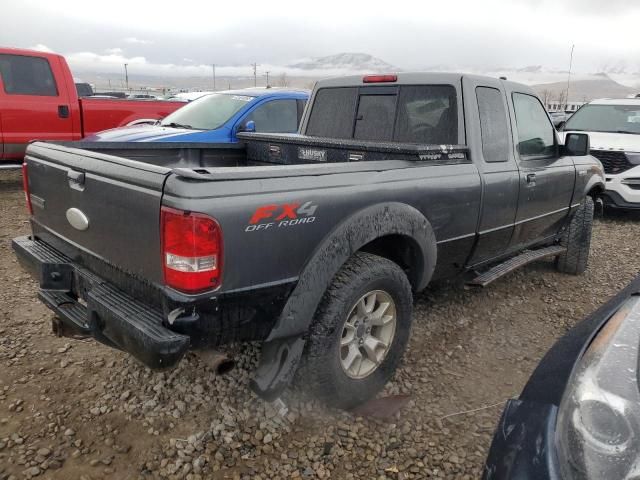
(278,364)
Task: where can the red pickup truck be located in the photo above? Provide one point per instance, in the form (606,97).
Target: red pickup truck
(38,101)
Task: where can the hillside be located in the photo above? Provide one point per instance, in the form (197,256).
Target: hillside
(599,86)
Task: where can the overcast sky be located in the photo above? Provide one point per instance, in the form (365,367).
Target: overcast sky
(183,37)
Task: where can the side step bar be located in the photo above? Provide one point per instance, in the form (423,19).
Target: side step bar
(10,166)
(513,263)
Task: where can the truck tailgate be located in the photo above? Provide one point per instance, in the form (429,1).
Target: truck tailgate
(104,206)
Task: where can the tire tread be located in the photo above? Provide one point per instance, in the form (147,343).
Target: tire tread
(577,239)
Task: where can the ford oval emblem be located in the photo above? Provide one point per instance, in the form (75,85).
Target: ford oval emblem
(77,219)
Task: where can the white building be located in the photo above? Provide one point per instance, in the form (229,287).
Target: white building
(569,107)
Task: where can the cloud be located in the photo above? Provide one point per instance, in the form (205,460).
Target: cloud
(458,34)
(587,7)
(41,48)
(138,41)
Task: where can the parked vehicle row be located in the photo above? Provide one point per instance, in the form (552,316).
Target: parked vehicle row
(313,243)
(39,100)
(559,118)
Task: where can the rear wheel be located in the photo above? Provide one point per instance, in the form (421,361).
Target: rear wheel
(577,239)
(359,332)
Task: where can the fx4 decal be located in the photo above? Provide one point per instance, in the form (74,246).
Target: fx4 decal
(284,215)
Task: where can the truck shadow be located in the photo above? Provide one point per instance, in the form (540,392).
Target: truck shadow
(611,214)
(10,180)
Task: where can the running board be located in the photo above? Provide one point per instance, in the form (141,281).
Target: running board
(510,265)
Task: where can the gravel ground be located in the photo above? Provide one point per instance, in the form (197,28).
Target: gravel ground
(76,409)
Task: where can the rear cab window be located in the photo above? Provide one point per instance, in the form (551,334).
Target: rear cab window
(494,129)
(22,75)
(421,114)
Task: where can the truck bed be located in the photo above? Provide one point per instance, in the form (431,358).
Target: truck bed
(271,150)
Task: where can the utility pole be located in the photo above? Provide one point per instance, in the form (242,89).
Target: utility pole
(255,74)
(213,66)
(126,76)
(569,76)
(266,74)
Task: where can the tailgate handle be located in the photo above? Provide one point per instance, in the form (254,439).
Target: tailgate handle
(76,179)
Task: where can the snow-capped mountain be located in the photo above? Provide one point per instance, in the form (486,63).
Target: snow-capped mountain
(345,63)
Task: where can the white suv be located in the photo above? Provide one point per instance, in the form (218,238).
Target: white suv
(613,126)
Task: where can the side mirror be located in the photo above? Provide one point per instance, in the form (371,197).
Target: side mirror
(577,144)
(560,126)
(250,126)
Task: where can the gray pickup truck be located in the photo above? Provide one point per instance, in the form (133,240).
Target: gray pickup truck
(312,243)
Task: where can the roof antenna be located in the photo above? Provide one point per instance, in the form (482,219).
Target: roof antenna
(503,78)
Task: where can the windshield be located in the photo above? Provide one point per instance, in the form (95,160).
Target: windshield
(606,118)
(208,112)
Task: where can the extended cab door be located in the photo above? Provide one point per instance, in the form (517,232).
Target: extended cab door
(491,144)
(34,105)
(546,178)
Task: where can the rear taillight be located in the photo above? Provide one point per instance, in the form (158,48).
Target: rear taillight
(379,78)
(191,251)
(25,187)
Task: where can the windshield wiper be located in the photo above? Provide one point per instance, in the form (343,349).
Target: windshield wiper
(176,125)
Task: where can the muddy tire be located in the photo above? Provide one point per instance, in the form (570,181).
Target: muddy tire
(577,239)
(359,332)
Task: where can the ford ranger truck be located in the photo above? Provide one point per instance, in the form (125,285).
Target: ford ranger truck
(613,125)
(39,101)
(312,243)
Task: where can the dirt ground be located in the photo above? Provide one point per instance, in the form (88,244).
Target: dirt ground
(76,409)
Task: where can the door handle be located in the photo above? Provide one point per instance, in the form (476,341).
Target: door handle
(531,178)
(63,111)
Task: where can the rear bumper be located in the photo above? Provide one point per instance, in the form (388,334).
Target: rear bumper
(107,314)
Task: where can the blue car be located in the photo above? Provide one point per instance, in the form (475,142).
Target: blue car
(217,117)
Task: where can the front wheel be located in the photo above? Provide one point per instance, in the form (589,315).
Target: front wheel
(577,239)
(359,332)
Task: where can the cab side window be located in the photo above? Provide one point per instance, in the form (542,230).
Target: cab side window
(23,75)
(276,116)
(536,137)
(493,124)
